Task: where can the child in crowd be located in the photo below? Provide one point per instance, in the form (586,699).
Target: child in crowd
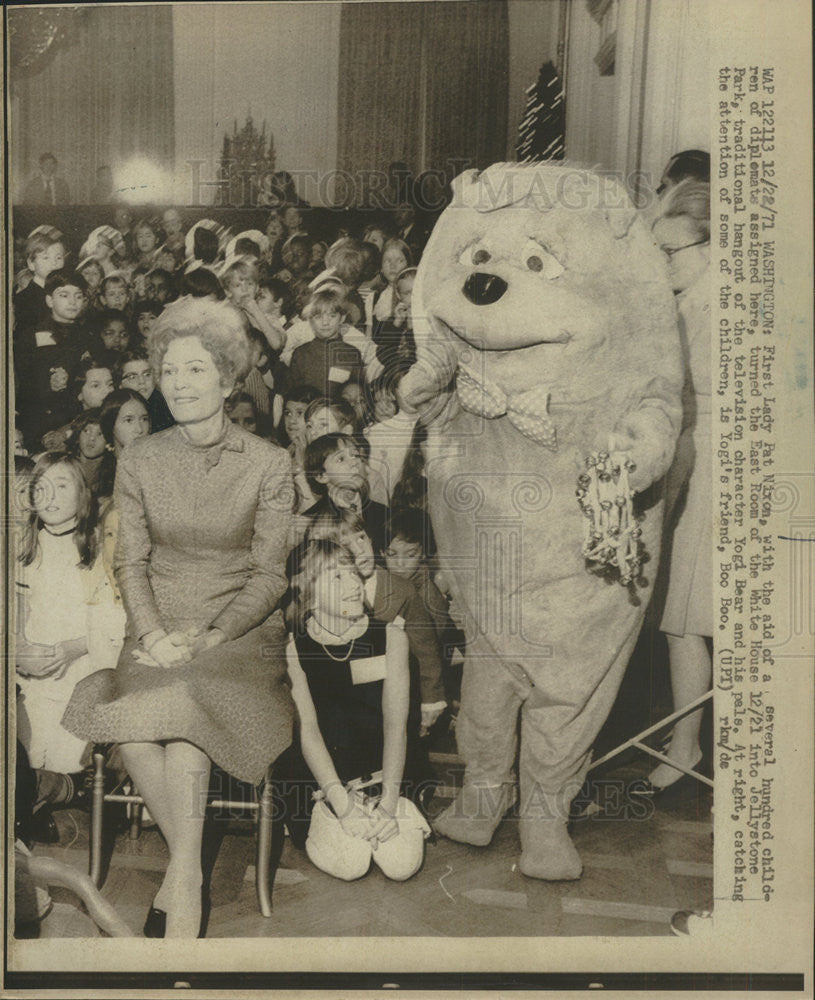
(53,585)
(123,417)
(146,240)
(159,286)
(390,596)
(94,274)
(111,337)
(376,234)
(346,259)
(123,224)
(44,253)
(327,361)
(293,221)
(329,416)
(174,232)
(90,382)
(87,445)
(276,235)
(145,314)
(114,292)
(19,443)
(292,435)
(105,243)
(390,436)
(395,258)
(240,282)
(318,251)
(350,683)
(296,254)
(336,474)
(134,372)
(241,410)
(255,384)
(394,336)
(371,283)
(202,283)
(274,299)
(406,558)
(357,398)
(167,260)
(45,357)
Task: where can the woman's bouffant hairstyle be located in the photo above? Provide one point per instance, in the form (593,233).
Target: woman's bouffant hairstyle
(85,532)
(317,556)
(690,199)
(219,326)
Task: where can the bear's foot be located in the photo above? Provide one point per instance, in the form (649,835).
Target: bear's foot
(475,814)
(548,851)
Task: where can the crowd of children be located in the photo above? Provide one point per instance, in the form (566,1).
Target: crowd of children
(331,335)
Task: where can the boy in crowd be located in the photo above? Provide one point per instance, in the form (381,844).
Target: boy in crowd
(46,355)
(44,253)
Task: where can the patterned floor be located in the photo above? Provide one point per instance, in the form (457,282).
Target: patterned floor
(638,871)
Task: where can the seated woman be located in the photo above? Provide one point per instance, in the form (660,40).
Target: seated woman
(350,683)
(204,513)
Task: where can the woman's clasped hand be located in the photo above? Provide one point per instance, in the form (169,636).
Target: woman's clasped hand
(170,649)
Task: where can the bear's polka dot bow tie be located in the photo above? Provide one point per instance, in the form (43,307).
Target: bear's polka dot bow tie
(528,411)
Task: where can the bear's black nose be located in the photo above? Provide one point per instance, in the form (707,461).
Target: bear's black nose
(484,289)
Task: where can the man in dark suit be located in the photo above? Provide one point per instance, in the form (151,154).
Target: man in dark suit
(46,188)
(410,230)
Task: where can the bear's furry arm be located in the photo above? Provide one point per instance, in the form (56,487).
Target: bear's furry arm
(649,429)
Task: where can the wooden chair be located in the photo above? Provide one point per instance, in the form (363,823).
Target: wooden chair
(262,806)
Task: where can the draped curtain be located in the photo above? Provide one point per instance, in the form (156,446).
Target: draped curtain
(423,82)
(467,53)
(106,95)
(380,69)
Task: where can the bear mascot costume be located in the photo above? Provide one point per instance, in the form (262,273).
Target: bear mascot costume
(546,348)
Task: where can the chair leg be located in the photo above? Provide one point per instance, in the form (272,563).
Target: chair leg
(135,815)
(97,817)
(264,846)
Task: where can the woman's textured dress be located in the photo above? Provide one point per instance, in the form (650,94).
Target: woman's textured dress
(202,543)
(689,601)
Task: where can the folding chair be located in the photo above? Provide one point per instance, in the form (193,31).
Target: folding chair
(637,741)
(262,806)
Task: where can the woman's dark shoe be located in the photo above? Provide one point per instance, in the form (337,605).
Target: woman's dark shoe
(206,907)
(156,923)
(42,829)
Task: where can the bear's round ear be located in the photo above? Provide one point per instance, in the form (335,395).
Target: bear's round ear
(464,180)
(620,219)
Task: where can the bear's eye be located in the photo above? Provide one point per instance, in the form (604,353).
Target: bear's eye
(539,260)
(474,255)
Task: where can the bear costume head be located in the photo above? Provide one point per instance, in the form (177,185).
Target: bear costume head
(540,276)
